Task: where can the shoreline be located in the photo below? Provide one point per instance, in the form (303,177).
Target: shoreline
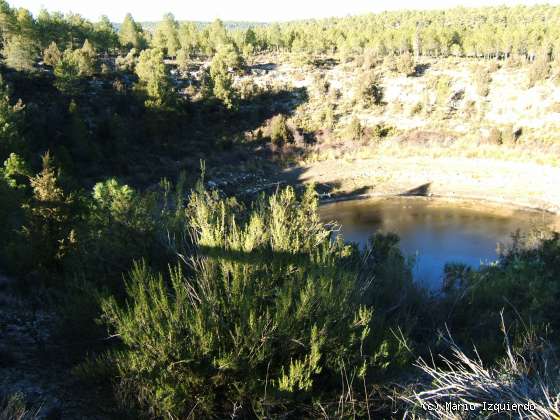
(514,185)
(441,198)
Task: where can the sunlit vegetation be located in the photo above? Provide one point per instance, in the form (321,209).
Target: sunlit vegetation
(183,297)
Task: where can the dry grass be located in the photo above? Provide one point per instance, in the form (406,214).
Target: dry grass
(13,407)
(526,377)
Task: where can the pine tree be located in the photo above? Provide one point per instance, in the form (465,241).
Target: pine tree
(48,229)
(52,55)
(166,36)
(19,53)
(11,139)
(225,59)
(152,74)
(130,33)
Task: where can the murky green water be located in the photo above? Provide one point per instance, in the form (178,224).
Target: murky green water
(434,231)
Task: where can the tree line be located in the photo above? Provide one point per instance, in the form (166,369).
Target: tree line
(491,32)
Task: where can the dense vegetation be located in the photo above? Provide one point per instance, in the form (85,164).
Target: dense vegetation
(245,306)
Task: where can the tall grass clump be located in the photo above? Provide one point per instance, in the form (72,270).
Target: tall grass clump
(524,384)
(14,407)
(265,316)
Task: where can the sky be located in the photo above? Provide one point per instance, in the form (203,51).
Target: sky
(246,10)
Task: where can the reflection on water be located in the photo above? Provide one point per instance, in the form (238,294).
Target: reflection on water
(434,232)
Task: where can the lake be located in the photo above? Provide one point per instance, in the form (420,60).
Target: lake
(434,231)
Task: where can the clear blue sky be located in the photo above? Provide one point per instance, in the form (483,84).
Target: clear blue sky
(249,10)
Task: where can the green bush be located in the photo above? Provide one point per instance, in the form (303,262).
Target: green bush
(264,318)
(279,130)
(523,284)
(368,89)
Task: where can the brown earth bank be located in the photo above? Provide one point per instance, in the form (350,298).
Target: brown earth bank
(523,185)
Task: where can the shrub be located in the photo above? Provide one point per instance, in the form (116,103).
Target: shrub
(510,135)
(482,80)
(354,130)
(538,71)
(326,118)
(380,131)
(405,64)
(555,107)
(521,286)
(247,89)
(128,62)
(279,131)
(369,59)
(495,136)
(368,89)
(515,61)
(416,108)
(52,55)
(263,319)
(320,87)
(390,63)
(442,86)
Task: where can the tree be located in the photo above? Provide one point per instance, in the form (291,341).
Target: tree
(11,120)
(183,60)
(26,25)
(78,134)
(73,65)
(188,37)
(52,55)
(48,229)
(225,59)
(19,53)
(67,74)
(7,21)
(249,42)
(166,36)
(215,36)
(130,33)
(16,171)
(106,37)
(127,63)
(153,76)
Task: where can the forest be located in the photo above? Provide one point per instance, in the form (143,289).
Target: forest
(146,227)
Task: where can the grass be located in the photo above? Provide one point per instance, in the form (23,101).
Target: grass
(526,377)
(14,407)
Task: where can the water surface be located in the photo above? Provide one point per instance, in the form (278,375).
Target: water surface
(433,231)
